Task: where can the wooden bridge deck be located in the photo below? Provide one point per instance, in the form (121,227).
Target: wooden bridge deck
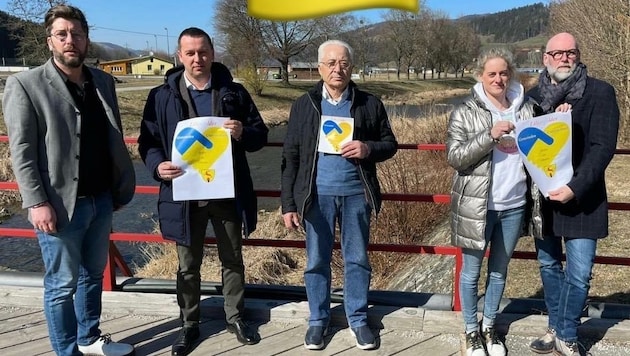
(149,321)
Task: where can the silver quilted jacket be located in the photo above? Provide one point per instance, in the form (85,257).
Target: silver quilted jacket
(469,151)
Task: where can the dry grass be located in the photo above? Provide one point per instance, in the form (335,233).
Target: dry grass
(408,172)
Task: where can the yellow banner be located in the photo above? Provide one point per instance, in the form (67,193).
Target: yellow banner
(290,10)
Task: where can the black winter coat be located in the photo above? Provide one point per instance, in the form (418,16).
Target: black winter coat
(299,156)
(164,108)
(594,128)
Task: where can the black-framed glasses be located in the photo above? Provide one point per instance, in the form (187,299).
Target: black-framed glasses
(62,36)
(333,64)
(557,55)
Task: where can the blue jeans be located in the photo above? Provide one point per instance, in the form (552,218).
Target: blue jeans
(353,215)
(502,232)
(566,290)
(75,259)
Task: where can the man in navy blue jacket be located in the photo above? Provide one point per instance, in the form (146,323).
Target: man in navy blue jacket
(203,88)
(577,212)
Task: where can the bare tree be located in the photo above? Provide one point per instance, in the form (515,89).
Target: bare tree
(442,39)
(464,47)
(239,33)
(284,40)
(399,38)
(252,40)
(28,29)
(602,28)
(364,43)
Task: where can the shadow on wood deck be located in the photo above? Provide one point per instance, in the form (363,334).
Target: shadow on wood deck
(150,322)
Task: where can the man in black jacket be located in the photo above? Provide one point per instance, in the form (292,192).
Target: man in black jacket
(577,212)
(203,88)
(321,189)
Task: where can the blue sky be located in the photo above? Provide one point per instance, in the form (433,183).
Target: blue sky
(142,24)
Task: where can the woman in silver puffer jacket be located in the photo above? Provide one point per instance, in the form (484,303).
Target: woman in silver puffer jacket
(488,195)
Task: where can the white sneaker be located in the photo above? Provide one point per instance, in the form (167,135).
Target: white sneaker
(474,346)
(494,346)
(104,346)
(566,348)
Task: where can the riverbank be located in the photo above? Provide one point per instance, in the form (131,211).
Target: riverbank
(609,283)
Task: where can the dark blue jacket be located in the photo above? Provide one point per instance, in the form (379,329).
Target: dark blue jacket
(299,157)
(594,128)
(164,108)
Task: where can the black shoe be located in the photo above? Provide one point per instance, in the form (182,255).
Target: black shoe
(184,342)
(365,337)
(314,339)
(244,334)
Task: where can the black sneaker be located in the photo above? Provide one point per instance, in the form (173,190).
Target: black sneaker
(314,339)
(474,345)
(494,346)
(364,336)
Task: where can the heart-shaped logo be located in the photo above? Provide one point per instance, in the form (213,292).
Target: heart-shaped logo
(542,147)
(201,150)
(336,133)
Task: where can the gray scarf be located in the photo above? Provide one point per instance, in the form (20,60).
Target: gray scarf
(569,89)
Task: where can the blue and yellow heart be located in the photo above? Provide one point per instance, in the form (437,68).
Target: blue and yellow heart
(541,147)
(202,150)
(336,132)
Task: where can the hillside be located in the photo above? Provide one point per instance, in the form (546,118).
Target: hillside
(515,26)
(7,44)
(511,26)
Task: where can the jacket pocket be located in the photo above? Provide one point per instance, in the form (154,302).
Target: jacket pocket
(172,220)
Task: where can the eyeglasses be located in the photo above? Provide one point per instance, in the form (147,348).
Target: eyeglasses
(332,64)
(62,36)
(557,55)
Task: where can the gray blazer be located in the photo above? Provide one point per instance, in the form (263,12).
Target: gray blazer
(44,124)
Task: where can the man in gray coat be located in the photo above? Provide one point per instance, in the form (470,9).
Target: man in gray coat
(73,170)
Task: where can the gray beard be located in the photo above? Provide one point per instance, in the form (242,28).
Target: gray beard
(559,76)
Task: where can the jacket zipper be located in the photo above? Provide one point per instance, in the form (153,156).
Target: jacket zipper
(310,180)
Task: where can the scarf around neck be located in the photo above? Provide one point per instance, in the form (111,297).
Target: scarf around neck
(569,89)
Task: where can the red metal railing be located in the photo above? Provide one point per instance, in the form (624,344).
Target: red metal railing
(115,259)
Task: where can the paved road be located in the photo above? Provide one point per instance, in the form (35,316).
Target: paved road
(122,89)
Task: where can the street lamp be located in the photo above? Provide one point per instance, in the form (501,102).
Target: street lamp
(154,35)
(168,47)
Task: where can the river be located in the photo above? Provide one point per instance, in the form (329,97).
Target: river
(140,215)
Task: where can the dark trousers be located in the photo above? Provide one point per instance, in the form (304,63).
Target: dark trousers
(227,227)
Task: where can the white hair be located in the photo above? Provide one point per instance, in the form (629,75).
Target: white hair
(320,50)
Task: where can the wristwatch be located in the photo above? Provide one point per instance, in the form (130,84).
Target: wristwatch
(38,205)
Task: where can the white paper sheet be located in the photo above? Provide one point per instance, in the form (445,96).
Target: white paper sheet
(203,149)
(544,143)
(334,132)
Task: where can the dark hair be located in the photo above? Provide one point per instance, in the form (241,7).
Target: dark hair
(194,32)
(66,12)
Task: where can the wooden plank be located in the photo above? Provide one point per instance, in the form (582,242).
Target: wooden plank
(31,333)
(430,344)
(13,319)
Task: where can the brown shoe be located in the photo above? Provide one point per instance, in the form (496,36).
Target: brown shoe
(544,344)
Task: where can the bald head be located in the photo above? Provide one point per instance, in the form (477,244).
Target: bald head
(561,56)
(563,40)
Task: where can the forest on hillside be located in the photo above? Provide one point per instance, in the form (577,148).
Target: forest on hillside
(511,25)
